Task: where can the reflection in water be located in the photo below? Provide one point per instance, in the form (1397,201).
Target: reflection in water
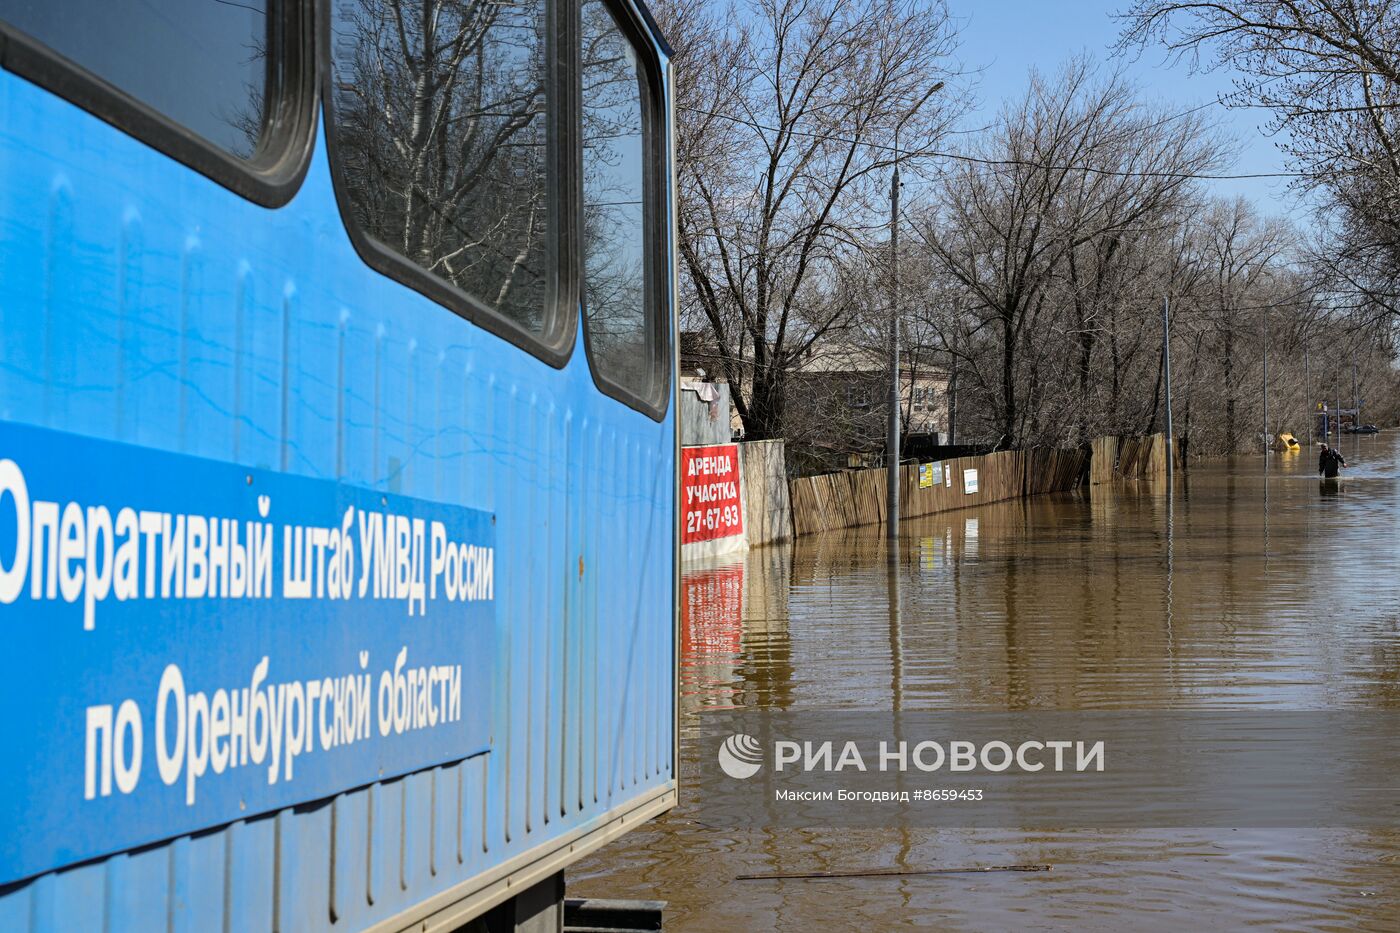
(1245,588)
(1168,578)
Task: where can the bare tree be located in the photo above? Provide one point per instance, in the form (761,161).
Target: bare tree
(788,111)
(1243,277)
(1330,74)
(1073,171)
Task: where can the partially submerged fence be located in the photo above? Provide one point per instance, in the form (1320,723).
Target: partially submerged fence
(1049,469)
(845,500)
(1117,458)
(837,500)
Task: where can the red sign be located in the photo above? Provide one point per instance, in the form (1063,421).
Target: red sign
(710,488)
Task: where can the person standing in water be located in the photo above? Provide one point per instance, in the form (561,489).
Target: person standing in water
(1330,462)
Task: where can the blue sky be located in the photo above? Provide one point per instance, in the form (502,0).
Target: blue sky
(1003,39)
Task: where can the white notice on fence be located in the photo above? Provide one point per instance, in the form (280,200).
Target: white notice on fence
(947,475)
(969,482)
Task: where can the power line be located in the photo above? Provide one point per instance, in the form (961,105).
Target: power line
(1220,100)
(997,163)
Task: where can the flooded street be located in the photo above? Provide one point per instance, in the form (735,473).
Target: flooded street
(1251,588)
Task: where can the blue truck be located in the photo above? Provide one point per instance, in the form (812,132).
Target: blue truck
(338,501)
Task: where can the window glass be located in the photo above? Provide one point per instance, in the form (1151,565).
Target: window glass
(624,335)
(442,141)
(202,63)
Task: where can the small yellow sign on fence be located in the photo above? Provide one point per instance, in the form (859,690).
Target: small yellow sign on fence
(926,475)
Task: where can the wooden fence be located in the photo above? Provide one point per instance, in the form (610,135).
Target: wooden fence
(1116,458)
(845,500)
(1048,469)
(837,500)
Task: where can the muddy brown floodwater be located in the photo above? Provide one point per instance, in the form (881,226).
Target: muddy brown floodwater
(1257,588)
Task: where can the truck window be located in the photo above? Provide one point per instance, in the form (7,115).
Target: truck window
(625,320)
(204,65)
(442,136)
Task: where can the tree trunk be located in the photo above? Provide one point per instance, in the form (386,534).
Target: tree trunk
(1086,356)
(767,405)
(1008,382)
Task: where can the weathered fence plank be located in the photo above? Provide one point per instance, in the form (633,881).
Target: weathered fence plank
(1117,458)
(849,499)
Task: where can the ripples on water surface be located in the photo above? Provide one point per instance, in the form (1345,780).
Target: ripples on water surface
(1250,589)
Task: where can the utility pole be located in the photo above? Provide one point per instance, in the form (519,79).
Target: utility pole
(892,434)
(1307,393)
(1355,399)
(1167,373)
(953,405)
(1268,437)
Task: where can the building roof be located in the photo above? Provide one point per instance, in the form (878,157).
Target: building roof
(833,357)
